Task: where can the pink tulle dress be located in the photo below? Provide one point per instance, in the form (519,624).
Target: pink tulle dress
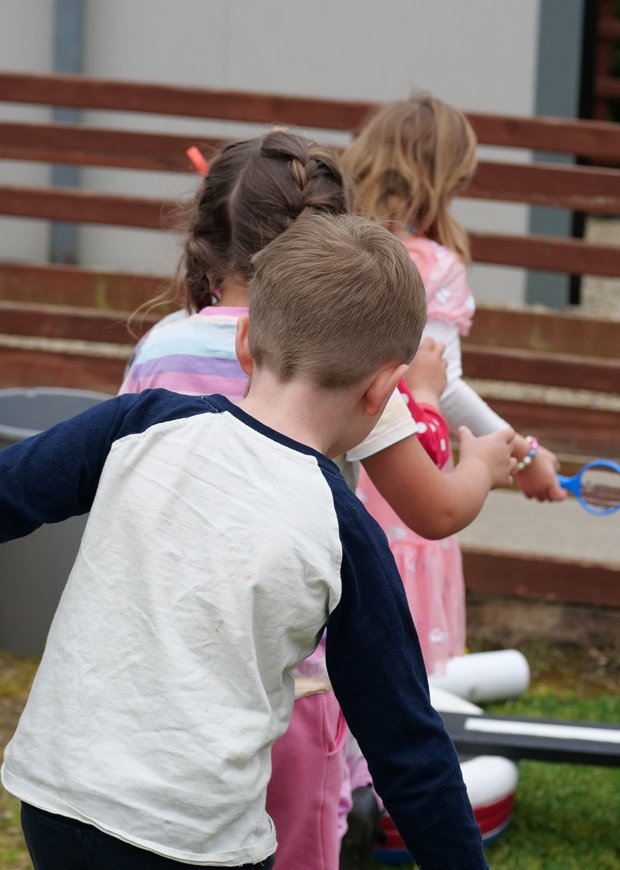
(432,571)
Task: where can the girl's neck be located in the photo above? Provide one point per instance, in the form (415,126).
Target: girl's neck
(234,293)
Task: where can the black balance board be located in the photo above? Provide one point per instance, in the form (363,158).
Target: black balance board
(515,737)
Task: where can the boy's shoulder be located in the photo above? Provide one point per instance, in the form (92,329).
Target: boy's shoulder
(360,534)
(135,413)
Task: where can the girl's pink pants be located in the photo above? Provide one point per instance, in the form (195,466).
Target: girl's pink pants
(304,791)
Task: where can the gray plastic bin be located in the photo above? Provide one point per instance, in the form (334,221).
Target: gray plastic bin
(34,569)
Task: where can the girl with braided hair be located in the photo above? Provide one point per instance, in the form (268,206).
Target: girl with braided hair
(253,190)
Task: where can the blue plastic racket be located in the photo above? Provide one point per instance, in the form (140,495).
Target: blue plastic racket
(597,486)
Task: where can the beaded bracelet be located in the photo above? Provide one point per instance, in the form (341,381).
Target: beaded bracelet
(527,460)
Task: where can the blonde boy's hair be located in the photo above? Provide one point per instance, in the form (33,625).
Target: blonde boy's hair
(409,162)
(333,299)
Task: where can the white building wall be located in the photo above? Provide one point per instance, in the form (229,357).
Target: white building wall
(478,55)
(26,44)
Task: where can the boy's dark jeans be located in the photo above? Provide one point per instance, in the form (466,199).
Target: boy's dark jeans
(59,843)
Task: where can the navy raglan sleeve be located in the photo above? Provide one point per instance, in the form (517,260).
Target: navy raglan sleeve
(54,475)
(375,665)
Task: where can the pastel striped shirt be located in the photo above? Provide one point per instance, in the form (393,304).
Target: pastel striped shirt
(194,355)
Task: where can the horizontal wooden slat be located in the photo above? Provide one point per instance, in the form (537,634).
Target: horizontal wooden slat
(609,28)
(31,368)
(589,189)
(547,253)
(565,429)
(532,252)
(530,575)
(532,367)
(91,324)
(76,144)
(580,188)
(89,288)
(67,321)
(606,86)
(544,331)
(125,291)
(87,93)
(598,139)
(67,204)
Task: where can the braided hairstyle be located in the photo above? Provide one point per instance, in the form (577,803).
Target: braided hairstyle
(255,188)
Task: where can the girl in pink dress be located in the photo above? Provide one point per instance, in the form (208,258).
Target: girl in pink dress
(408,164)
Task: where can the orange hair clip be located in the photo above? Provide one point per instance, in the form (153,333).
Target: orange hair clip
(200,164)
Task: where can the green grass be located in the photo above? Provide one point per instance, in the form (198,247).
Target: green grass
(566,816)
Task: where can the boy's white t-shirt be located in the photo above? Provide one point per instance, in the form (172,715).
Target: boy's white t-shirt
(215,553)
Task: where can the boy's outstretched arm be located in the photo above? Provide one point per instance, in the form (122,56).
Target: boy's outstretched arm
(54,475)
(377,671)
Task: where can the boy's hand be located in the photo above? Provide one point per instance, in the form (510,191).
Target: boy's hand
(494,450)
(426,377)
(540,479)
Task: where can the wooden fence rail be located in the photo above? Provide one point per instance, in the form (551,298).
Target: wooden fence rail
(597,139)
(547,253)
(590,189)
(97,146)
(529,575)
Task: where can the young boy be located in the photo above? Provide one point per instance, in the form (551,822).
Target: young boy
(220,542)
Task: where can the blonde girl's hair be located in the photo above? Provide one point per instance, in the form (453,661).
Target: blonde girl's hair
(409,162)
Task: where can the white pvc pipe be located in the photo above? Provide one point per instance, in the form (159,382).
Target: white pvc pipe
(489,676)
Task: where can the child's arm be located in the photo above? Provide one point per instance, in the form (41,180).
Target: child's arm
(53,476)
(376,668)
(434,504)
(540,479)
(462,406)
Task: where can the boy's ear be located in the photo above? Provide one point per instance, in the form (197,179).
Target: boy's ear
(242,347)
(385,382)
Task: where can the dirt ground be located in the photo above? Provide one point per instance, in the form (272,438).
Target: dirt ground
(586,671)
